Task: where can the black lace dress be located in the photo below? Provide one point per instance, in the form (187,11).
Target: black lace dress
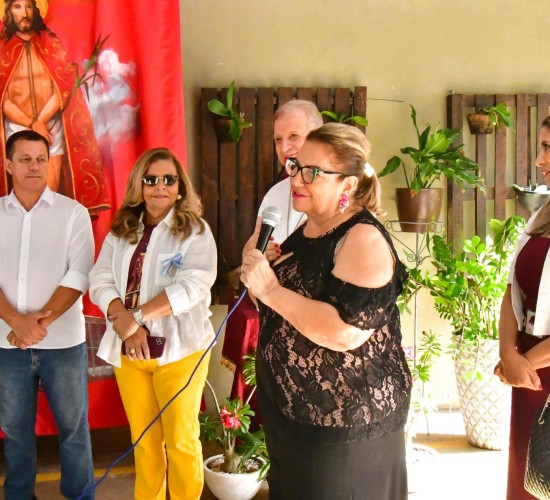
(334,420)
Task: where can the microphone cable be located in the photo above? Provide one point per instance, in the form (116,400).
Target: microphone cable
(121,457)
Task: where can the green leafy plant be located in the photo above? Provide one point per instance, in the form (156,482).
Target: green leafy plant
(468,286)
(237,121)
(498,115)
(229,428)
(435,155)
(420,364)
(343,118)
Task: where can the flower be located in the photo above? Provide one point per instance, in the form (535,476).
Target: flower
(229,429)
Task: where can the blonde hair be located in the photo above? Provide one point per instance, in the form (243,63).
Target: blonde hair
(541,224)
(351,150)
(187,209)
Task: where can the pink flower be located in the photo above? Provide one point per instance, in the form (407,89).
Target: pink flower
(229,420)
(409,352)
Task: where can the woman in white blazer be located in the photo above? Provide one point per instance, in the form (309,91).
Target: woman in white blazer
(525,329)
(152,281)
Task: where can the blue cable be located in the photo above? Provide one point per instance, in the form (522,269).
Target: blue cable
(93,487)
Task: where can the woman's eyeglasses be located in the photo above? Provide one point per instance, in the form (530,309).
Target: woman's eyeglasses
(292,167)
(153,180)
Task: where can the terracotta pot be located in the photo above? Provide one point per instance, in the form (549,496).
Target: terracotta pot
(480,124)
(423,207)
(222,124)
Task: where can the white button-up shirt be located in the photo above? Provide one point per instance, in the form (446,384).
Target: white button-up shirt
(188,329)
(49,246)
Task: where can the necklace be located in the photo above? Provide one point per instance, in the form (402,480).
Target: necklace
(288,213)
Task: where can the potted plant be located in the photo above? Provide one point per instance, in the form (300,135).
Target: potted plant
(486,119)
(228,123)
(435,155)
(239,472)
(343,118)
(467,288)
(420,458)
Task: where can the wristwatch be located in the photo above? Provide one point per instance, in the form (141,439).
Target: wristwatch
(138,316)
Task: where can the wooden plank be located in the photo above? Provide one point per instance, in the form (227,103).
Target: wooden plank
(360,104)
(227,240)
(500,164)
(304,93)
(455,210)
(522,147)
(209,162)
(267,163)
(324,100)
(481,159)
(284,94)
(342,103)
(246,206)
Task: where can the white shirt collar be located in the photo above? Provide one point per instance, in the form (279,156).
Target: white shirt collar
(47,196)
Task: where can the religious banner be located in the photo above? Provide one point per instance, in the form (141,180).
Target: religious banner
(102,81)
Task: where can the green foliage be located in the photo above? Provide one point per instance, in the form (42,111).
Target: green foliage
(343,118)
(468,287)
(237,119)
(499,116)
(435,155)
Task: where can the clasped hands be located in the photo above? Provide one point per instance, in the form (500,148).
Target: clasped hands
(516,370)
(133,335)
(28,329)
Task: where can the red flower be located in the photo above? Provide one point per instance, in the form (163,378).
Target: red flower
(229,420)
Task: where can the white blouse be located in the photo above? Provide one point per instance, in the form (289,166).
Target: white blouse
(188,329)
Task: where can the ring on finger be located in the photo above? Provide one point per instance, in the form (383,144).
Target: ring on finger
(132,350)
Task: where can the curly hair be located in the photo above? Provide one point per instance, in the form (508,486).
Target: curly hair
(187,209)
(351,152)
(9,29)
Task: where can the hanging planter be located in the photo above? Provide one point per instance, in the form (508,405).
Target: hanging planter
(486,119)
(228,123)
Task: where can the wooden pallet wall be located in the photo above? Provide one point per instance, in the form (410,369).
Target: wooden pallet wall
(508,149)
(236,176)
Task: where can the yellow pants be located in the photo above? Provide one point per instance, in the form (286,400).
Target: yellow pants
(145,387)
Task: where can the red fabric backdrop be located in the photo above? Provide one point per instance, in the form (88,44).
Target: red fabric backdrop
(137,104)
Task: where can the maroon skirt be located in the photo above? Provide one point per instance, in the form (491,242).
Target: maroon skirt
(525,404)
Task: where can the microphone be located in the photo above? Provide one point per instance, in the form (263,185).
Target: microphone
(271,216)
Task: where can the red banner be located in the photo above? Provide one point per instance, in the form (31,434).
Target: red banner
(125,57)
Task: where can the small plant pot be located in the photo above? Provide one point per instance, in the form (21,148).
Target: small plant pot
(226,486)
(416,211)
(480,124)
(222,126)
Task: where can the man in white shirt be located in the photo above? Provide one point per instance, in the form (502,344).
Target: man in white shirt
(46,253)
(293,121)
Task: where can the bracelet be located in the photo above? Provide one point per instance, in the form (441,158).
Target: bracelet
(138,316)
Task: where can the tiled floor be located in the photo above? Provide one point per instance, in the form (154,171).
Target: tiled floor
(460,471)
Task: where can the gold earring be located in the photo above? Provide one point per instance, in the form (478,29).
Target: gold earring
(179,197)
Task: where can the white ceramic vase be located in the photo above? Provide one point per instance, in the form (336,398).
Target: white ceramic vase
(227,486)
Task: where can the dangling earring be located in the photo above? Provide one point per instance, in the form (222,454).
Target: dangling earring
(179,197)
(344,203)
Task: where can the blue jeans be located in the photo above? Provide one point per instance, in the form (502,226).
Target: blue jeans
(63,375)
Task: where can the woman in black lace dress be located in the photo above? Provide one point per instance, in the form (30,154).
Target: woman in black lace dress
(333,382)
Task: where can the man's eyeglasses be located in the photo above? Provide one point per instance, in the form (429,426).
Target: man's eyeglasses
(153,180)
(292,167)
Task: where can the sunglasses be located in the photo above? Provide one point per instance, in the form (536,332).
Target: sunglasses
(292,167)
(153,180)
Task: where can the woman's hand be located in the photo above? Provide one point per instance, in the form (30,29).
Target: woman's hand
(516,371)
(124,324)
(136,345)
(257,275)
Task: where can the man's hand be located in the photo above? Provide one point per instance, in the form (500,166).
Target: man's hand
(43,130)
(27,330)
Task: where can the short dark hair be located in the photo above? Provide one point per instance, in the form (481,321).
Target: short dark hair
(24,135)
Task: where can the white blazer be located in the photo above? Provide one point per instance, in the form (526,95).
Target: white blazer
(542,316)
(188,329)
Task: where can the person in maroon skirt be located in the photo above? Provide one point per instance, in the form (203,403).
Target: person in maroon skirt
(525,329)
